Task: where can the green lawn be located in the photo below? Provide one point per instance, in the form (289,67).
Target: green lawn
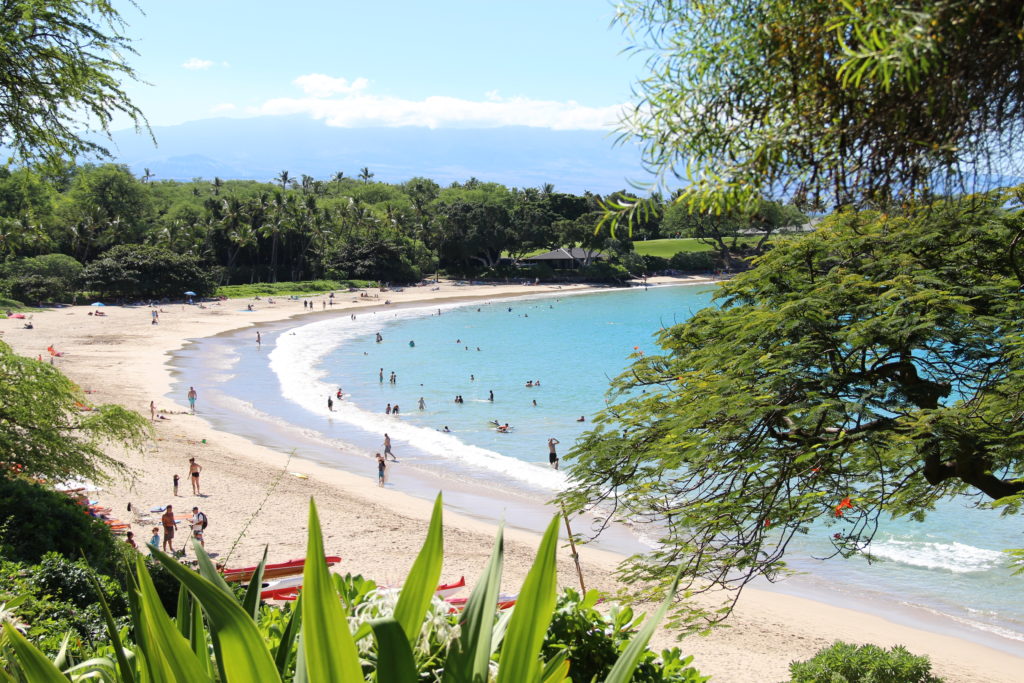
(669,248)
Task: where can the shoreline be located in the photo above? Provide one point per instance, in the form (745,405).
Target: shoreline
(123,359)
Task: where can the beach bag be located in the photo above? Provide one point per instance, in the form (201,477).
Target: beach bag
(206,520)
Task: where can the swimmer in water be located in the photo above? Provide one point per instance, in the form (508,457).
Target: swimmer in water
(581,419)
(446,430)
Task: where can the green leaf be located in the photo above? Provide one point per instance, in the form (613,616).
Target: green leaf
(469,656)
(556,669)
(520,654)
(243,655)
(395,663)
(282,658)
(32,662)
(183,615)
(419,587)
(167,653)
(251,601)
(127,676)
(622,672)
(330,653)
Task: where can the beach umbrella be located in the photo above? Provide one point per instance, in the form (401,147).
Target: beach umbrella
(97,303)
(190,293)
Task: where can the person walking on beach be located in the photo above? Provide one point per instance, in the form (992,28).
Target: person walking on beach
(387,447)
(152,411)
(330,404)
(176,480)
(552,453)
(194,469)
(167,520)
(199,522)
(381,467)
(192,396)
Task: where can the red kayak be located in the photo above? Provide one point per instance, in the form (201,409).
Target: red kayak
(273,570)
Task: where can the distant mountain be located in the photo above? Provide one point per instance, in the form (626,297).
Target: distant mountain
(260,148)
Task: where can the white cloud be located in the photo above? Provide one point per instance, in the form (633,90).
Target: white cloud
(355,107)
(196,64)
(223,108)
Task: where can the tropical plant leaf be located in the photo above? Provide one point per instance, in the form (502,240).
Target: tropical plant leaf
(282,658)
(167,654)
(519,661)
(421,583)
(622,672)
(242,653)
(251,601)
(395,663)
(31,661)
(470,655)
(329,651)
(127,675)
(556,669)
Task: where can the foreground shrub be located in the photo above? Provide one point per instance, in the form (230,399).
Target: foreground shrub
(845,663)
(340,629)
(35,520)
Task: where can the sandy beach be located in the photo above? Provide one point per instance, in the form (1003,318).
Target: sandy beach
(254,497)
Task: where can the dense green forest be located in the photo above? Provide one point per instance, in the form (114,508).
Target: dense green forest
(299,228)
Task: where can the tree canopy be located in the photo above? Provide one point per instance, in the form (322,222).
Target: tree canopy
(868,369)
(838,102)
(61,76)
(48,429)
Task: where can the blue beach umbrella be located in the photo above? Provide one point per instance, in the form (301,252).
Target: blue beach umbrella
(190,293)
(97,303)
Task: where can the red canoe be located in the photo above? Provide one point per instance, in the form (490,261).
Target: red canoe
(273,570)
(504,602)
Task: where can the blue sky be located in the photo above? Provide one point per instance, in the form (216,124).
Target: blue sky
(450,63)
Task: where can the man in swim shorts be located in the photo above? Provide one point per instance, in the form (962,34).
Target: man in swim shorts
(167,520)
(192,396)
(387,447)
(198,522)
(194,469)
(552,453)
(381,466)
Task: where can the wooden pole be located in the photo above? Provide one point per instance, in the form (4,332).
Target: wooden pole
(575,555)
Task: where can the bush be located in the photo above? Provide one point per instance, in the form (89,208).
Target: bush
(602,271)
(35,520)
(139,270)
(845,663)
(695,261)
(53,277)
(593,642)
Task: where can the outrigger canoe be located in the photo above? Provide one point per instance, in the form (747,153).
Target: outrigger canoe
(271,571)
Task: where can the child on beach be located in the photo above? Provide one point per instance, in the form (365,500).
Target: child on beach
(381,466)
(155,540)
(176,479)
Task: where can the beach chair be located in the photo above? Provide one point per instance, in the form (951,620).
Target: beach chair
(139,517)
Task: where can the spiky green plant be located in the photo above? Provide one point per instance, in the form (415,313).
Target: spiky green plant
(217,636)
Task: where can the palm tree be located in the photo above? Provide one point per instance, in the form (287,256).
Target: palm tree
(337,178)
(365,175)
(284,178)
(216,185)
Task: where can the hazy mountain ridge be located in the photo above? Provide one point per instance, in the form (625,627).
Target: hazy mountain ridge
(260,148)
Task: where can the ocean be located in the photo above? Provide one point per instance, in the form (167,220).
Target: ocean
(567,346)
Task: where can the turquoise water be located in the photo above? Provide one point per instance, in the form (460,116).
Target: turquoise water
(950,565)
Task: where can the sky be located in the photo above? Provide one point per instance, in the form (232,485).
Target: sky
(450,63)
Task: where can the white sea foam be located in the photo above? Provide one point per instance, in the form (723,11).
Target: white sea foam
(295,360)
(958,558)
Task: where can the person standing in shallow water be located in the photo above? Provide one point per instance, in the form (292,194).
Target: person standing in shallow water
(192,396)
(381,467)
(552,453)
